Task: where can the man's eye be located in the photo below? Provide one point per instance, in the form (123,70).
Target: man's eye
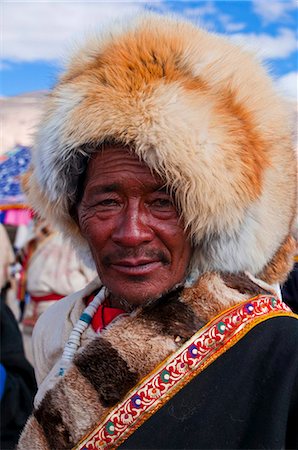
(162,203)
(108,202)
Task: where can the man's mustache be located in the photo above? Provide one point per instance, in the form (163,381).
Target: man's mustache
(135,253)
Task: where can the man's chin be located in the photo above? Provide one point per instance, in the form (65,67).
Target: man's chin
(139,296)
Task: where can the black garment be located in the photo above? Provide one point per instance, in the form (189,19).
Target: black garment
(246,399)
(290,290)
(20,385)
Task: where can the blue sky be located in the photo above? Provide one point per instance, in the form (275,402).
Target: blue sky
(37,35)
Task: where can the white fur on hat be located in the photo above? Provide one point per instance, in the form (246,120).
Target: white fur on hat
(200,112)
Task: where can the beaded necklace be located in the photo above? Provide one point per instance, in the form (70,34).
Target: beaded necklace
(82,324)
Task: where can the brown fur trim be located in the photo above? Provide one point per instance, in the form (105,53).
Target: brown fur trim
(173,317)
(277,270)
(106,371)
(32,437)
(50,419)
(77,391)
(133,336)
(243,284)
(211,295)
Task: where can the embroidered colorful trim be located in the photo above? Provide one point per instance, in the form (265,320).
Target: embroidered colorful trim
(176,371)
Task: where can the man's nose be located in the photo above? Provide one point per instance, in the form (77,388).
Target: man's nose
(132,228)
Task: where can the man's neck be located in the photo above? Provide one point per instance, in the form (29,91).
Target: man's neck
(121,303)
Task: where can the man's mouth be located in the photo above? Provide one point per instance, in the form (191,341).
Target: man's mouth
(136,266)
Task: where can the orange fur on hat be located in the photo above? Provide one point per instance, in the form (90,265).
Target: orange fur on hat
(200,112)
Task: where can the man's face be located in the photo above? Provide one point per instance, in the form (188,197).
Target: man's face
(132,226)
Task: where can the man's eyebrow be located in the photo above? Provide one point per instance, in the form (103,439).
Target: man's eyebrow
(105,188)
(114,187)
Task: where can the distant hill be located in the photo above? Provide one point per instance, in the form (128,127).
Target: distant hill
(19,117)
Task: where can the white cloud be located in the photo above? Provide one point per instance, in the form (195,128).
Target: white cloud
(231,27)
(274,10)
(268,46)
(287,85)
(206,14)
(227,22)
(202,15)
(41,30)
(200,11)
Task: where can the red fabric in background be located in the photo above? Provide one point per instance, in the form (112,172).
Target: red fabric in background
(48,297)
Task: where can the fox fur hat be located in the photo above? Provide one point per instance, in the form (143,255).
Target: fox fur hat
(201,113)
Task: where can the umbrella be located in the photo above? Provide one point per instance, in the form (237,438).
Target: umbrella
(13,205)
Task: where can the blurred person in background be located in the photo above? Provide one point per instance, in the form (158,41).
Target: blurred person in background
(32,236)
(7,259)
(51,270)
(17,381)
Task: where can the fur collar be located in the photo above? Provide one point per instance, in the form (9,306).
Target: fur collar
(110,365)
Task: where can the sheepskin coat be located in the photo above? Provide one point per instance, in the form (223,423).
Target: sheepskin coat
(109,365)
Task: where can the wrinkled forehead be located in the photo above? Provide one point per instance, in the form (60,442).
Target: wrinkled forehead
(114,164)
